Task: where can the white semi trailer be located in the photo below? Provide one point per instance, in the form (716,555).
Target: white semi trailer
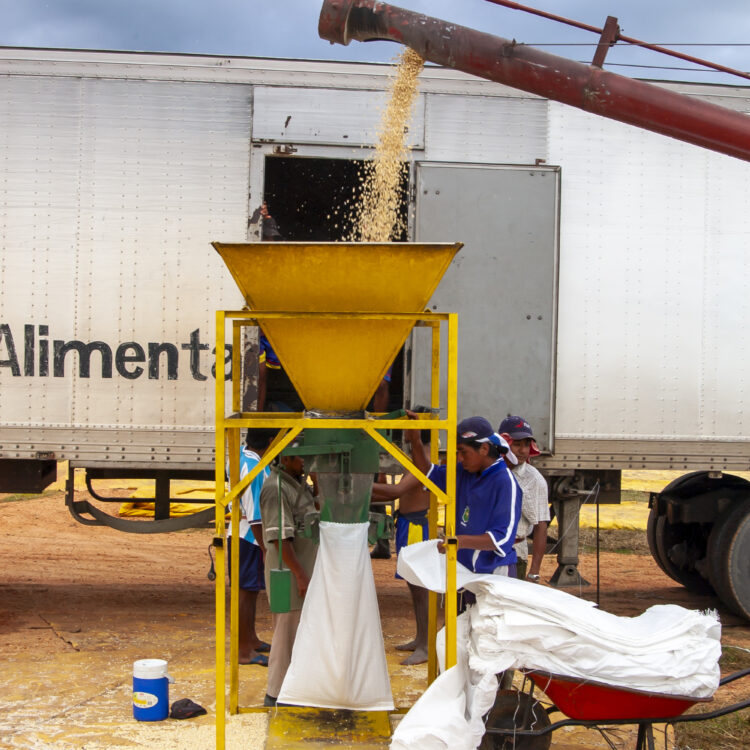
(601,288)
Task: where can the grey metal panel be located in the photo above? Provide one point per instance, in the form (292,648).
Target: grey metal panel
(331,116)
(653,285)
(112,191)
(264,71)
(503,284)
(189,448)
(486,129)
(672,455)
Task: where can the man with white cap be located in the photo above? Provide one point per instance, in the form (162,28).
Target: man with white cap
(488,498)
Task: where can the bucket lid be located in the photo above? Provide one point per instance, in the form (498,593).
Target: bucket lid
(150,669)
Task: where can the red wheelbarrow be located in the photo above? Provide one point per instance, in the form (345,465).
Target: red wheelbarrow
(518,720)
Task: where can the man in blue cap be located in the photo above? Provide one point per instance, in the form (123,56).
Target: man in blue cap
(488,498)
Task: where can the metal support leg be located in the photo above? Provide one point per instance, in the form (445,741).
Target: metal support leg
(645,736)
(161,498)
(568,517)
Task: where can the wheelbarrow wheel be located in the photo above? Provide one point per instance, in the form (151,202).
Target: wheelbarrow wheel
(516,710)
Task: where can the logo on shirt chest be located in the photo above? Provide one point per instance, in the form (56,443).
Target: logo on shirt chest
(465,516)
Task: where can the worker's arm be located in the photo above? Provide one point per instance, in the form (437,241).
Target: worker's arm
(291,561)
(382,492)
(471,541)
(539,537)
(257,528)
(420,453)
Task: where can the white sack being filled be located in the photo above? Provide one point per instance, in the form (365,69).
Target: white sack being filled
(520,625)
(338,659)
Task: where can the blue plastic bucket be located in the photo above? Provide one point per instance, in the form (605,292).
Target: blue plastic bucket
(150,690)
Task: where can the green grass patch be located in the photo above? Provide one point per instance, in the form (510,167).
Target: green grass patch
(20,497)
(634,496)
(728,732)
(734,658)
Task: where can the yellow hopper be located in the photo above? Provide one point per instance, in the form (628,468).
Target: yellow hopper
(336,363)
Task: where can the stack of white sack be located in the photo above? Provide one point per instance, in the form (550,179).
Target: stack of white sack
(667,649)
(520,625)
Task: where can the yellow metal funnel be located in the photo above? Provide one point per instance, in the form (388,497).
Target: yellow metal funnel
(336,364)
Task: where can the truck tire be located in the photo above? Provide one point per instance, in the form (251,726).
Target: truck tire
(737,566)
(675,544)
(651,537)
(681,550)
(718,545)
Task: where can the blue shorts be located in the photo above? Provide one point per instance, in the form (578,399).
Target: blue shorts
(410,529)
(251,565)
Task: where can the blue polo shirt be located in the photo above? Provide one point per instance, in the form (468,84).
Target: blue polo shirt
(486,503)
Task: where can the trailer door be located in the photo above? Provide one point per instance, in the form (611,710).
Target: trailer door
(503,284)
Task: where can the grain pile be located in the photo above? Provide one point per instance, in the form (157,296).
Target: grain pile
(376,218)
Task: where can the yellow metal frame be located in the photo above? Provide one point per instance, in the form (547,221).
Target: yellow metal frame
(290,425)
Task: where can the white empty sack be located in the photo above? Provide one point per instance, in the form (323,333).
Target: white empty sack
(338,659)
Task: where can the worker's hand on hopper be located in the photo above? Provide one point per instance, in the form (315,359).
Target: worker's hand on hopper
(411,435)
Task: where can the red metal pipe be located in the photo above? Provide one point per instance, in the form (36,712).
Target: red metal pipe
(583,86)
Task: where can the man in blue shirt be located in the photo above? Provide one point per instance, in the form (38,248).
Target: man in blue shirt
(252,650)
(488,499)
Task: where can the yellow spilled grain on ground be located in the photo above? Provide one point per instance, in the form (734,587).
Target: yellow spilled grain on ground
(243,732)
(377,217)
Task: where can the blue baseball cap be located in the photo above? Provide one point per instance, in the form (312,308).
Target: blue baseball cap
(479,430)
(517,427)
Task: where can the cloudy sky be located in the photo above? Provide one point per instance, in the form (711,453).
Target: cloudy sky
(288,28)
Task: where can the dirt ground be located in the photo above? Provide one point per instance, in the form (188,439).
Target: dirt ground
(79,604)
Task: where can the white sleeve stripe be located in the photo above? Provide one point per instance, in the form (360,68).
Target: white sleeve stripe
(512,522)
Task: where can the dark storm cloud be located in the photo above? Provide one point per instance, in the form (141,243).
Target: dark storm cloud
(288,28)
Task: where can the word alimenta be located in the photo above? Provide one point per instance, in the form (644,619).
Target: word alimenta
(34,357)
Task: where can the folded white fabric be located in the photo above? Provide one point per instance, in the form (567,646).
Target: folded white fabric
(515,624)
(450,712)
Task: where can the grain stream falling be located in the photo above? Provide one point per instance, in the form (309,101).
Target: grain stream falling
(376,217)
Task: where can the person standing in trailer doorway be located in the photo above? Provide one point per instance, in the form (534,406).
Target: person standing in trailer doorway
(535,508)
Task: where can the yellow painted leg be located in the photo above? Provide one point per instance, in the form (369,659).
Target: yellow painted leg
(234,583)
